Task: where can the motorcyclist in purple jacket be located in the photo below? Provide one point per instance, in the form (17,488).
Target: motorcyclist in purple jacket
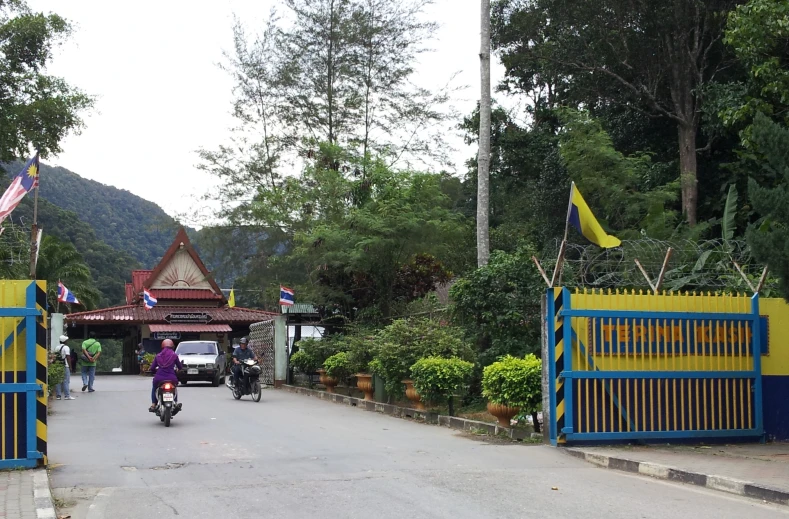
(164,366)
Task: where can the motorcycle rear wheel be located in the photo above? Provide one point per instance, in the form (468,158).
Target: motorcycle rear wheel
(166,415)
(237,394)
(257,391)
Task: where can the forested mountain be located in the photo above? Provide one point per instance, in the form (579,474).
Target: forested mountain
(119,218)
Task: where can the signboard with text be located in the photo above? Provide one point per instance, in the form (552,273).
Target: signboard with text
(167,335)
(188,317)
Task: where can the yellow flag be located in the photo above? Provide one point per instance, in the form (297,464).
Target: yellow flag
(231,301)
(581,217)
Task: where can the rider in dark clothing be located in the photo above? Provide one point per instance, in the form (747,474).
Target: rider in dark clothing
(243,352)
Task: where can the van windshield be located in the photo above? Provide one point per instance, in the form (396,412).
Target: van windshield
(196,348)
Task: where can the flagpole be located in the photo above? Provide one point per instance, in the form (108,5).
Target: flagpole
(34,234)
(557,271)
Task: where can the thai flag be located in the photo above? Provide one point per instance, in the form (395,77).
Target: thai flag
(148,299)
(65,295)
(285,296)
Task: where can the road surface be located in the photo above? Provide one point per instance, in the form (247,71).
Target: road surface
(292,456)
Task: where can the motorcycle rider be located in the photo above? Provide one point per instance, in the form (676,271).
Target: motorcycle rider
(243,352)
(164,366)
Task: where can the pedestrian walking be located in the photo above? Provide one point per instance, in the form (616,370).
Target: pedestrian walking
(64,356)
(91,351)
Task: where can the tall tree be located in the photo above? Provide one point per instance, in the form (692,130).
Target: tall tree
(656,57)
(483,157)
(60,261)
(35,108)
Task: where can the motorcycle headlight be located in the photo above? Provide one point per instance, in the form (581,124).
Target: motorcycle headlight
(209,365)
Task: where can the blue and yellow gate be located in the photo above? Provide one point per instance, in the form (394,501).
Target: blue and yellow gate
(634,366)
(23,368)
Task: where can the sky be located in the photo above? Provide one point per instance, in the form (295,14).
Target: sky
(160,95)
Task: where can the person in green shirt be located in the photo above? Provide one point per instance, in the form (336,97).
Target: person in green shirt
(91,350)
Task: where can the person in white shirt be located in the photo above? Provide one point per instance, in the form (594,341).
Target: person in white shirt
(63,356)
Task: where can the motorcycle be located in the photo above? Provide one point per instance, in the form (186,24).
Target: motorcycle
(166,408)
(249,383)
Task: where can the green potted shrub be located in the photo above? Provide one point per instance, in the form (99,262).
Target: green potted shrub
(316,351)
(360,354)
(337,369)
(305,362)
(147,360)
(513,385)
(437,378)
(56,373)
(402,343)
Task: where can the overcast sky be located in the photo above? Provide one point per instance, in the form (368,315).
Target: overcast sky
(160,96)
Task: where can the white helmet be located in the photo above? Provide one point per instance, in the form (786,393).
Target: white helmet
(63,338)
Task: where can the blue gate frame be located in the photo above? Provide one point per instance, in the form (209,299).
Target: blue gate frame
(599,358)
(23,374)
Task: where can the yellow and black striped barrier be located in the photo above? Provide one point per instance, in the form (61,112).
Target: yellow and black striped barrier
(23,374)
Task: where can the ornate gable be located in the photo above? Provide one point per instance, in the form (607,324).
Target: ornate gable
(181,268)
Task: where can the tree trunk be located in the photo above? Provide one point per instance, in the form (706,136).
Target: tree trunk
(330,74)
(688,170)
(483,157)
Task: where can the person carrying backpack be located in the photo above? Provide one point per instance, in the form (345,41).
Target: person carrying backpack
(64,356)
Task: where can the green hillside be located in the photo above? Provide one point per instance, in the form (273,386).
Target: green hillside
(120,219)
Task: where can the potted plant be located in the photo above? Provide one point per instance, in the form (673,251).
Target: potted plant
(437,378)
(360,354)
(145,366)
(337,368)
(404,342)
(512,385)
(312,354)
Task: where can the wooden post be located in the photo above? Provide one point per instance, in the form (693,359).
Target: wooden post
(542,272)
(762,279)
(659,282)
(34,231)
(557,270)
(744,277)
(646,276)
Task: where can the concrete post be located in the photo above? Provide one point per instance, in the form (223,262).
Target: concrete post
(546,385)
(280,350)
(56,324)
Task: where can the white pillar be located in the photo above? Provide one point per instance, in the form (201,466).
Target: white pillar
(280,351)
(56,326)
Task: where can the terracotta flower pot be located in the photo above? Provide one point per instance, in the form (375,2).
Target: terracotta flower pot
(364,382)
(413,395)
(503,413)
(326,380)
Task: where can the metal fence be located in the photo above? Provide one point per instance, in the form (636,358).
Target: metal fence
(627,365)
(261,340)
(23,368)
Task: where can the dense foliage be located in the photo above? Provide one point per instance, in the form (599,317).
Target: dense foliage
(437,378)
(514,382)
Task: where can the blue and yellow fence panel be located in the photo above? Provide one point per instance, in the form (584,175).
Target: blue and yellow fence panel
(627,365)
(23,374)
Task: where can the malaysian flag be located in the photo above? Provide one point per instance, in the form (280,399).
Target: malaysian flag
(26,180)
(148,299)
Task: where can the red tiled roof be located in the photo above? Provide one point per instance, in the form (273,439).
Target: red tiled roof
(195,328)
(184,293)
(131,314)
(139,277)
(129,293)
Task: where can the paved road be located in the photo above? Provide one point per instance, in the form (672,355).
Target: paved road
(291,456)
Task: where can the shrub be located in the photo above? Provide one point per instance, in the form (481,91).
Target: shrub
(436,378)
(361,351)
(338,366)
(402,343)
(148,358)
(304,361)
(514,382)
(56,373)
(321,349)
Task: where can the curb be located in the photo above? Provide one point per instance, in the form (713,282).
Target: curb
(45,508)
(428,417)
(712,482)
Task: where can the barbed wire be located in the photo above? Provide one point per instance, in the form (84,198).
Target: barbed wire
(705,265)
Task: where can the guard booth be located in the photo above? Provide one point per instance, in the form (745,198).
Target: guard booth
(190,306)
(23,367)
